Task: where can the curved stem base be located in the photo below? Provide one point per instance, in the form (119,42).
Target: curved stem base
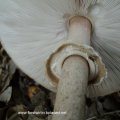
(72,90)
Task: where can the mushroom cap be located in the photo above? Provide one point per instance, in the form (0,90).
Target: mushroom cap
(31,30)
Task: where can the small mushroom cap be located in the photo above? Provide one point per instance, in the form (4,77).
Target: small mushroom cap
(31,30)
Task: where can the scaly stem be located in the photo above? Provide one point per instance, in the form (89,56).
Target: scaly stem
(73,85)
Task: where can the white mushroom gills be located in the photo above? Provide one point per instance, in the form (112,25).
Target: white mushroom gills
(26,40)
(73,84)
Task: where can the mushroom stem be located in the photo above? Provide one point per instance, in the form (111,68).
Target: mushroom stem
(79,30)
(72,89)
(73,85)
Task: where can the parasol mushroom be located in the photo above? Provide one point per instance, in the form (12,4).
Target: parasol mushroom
(52,41)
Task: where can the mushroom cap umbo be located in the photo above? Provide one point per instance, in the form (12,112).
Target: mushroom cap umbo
(31,30)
